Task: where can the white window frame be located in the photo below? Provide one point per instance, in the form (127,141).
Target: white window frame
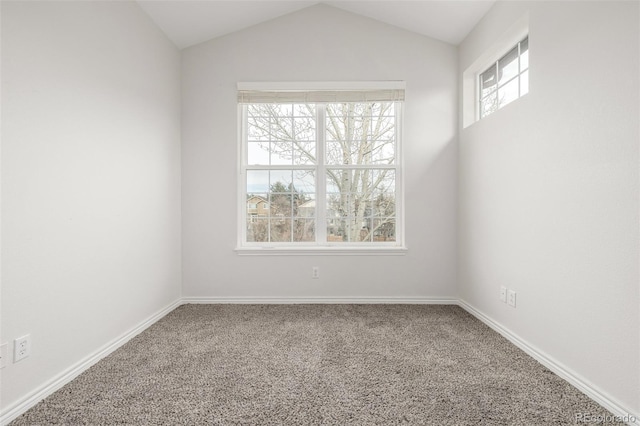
(470,77)
(320,246)
(500,86)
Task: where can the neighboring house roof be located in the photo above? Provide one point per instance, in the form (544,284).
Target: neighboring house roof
(308,204)
(256,197)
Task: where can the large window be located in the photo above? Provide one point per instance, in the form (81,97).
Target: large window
(321,168)
(505,80)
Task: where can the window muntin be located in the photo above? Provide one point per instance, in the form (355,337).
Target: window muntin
(344,154)
(505,80)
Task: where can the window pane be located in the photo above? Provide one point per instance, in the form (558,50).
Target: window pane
(281,153)
(524,54)
(338,152)
(361,230)
(304,128)
(334,236)
(339,122)
(356,198)
(383,138)
(280,181)
(280,229)
(339,217)
(337,204)
(335,125)
(489,104)
(280,205)
(270,122)
(366,230)
(384,229)
(257,181)
(524,83)
(384,205)
(304,181)
(281,129)
(508,66)
(360,133)
(345,151)
(344,181)
(304,152)
(383,181)
(383,152)
(258,129)
(488,81)
(257,153)
(257,230)
(305,207)
(383,128)
(304,230)
(333,181)
(508,93)
(384,195)
(257,205)
(338,230)
(333,216)
(290,128)
(304,122)
(258,123)
(357,127)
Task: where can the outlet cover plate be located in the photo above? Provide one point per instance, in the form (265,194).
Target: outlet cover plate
(21,348)
(511,298)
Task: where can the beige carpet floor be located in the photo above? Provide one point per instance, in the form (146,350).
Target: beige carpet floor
(315,364)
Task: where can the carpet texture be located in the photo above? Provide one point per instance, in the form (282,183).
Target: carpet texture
(315,364)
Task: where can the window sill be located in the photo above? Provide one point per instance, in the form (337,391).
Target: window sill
(321,251)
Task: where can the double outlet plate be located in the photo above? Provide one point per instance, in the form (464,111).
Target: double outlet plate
(508,296)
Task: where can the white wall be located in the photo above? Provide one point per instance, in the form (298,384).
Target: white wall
(548,187)
(318,44)
(549,190)
(90,180)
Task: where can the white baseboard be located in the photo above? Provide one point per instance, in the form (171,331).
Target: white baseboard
(58,381)
(320,300)
(558,368)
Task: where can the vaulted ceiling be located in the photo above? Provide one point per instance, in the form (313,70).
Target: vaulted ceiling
(188,22)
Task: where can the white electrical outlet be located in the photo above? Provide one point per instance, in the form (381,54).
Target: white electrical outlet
(503,294)
(21,348)
(4,355)
(511,298)
(315,272)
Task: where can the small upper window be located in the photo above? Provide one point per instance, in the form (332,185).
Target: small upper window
(505,80)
